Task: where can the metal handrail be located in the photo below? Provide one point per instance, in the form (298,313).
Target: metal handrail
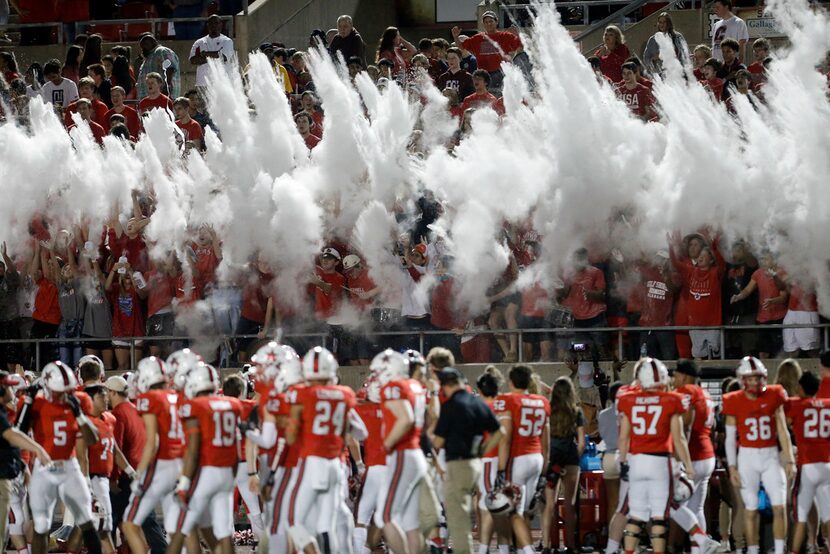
(636,4)
(153,22)
(422,334)
(585,4)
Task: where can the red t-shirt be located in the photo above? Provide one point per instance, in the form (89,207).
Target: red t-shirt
(494,452)
(529,413)
(254,300)
(412,392)
(99,113)
(703,292)
(811,425)
(768,289)
(638,99)
(101,456)
(311,141)
(657,297)
(716,86)
(162,404)
(291,453)
(130,434)
(162,291)
(700,437)
(755,417)
(802,301)
(824,388)
(54,428)
(535,301)
(98,132)
(372,416)
(476,100)
(206,264)
(590,278)
(192,130)
(442,314)
(147,103)
(360,283)
(490,48)
(323,420)
(127,319)
(135,249)
(325,304)
(610,64)
(218,417)
(650,414)
(132,121)
(47,308)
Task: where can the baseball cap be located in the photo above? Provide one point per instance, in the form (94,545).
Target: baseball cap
(146,34)
(356,60)
(329,251)
(116,384)
(350,261)
(489,13)
(450,375)
(687,367)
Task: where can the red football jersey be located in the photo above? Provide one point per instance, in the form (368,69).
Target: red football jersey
(755,417)
(824,388)
(323,420)
(84,400)
(267,395)
(529,413)
(372,416)
(650,414)
(413,392)
(495,450)
(248,406)
(811,425)
(162,404)
(218,418)
(54,428)
(700,437)
(101,456)
(291,453)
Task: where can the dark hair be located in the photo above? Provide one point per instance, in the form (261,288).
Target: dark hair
(107,58)
(89,371)
(482,74)
(595,62)
(73,56)
(355,60)
(687,367)
(120,131)
(121,74)
(121,50)
(809,382)
(92,51)
(488,385)
(613,389)
(824,359)
(52,66)
(387,41)
(743,74)
(724,3)
(425,44)
(725,383)
(233,386)
(385,61)
(733,386)
(37,72)
(80,39)
(98,69)
(18,86)
(182,101)
(305,115)
(730,43)
(631,66)
(520,375)
(441,43)
(281,53)
(564,409)
(11,62)
(635,60)
(714,64)
(761,43)
(455,50)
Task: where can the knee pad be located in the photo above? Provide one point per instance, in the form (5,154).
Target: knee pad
(659,528)
(633,528)
(42,524)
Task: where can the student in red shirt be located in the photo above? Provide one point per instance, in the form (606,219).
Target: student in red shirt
(584,295)
(481,97)
(86,90)
(193,133)
(712,82)
(491,47)
(127,319)
(84,109)
(659,286)
(155,98)
(304,123)
(131,119)
(254,303)
(636,96)
(47,312)
(772,304)
(613,53)
(757,68)
(328,285)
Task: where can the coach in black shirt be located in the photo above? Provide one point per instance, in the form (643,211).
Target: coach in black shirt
(460,432)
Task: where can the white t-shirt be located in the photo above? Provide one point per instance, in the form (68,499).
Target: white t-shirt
(62,94)
(221,44)
(734,27)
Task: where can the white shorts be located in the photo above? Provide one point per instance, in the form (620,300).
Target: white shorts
(157,486)
(705,343)
(812,485)
(280,498)
(400,497)
(803,338)
(487,479)
(65,480)
(649,486)
(315,499)
(367,502)
(703,472)
(18,513)
(524,472)
(102,515)
(210,502)
(251,499)
(757,466)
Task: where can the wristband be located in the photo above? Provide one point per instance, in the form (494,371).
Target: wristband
(252,473)
(82,420)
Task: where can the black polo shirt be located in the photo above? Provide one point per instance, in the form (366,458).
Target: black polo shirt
(10,462)
(463,421)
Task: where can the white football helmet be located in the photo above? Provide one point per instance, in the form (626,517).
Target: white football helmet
(202,378)
(502,501)
(58,377)
(132,384)
(389,366)
(179,364)
(151,371)
(683,487)
(291,370)
(319,364)
(415,359)
(91,359)
(651,373)
(373,390)
(751,366)
(267,362)
(17,382)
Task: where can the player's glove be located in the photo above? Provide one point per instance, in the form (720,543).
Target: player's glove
(74,404)
(31,392)
(501,478)
(182,489)
(135,486)
(624,471)
(246,426)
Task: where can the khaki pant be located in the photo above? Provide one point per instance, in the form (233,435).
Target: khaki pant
(429,512)
(462,480)
(6,488)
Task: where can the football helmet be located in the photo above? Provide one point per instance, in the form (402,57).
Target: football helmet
(58,377)
(267,362)
(319,364)
(373,390)
(202,378)
(683,487)
(415,359)
(291,370)
(502,501)
(751,366)
(132,384)
(91,359)
(389,366)
(651,373)
(151,371)
(179,364)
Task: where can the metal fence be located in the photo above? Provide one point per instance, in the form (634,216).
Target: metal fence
(327,339)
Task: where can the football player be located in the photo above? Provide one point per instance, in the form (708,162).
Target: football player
(373,472)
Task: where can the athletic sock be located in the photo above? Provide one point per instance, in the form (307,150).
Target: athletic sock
(483,549)
(612,547)
(504,549)
(528,549)
(780,546)
(752,549)
(359,538)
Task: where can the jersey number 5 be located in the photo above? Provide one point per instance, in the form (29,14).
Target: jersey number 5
(644,419)
(59,430)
